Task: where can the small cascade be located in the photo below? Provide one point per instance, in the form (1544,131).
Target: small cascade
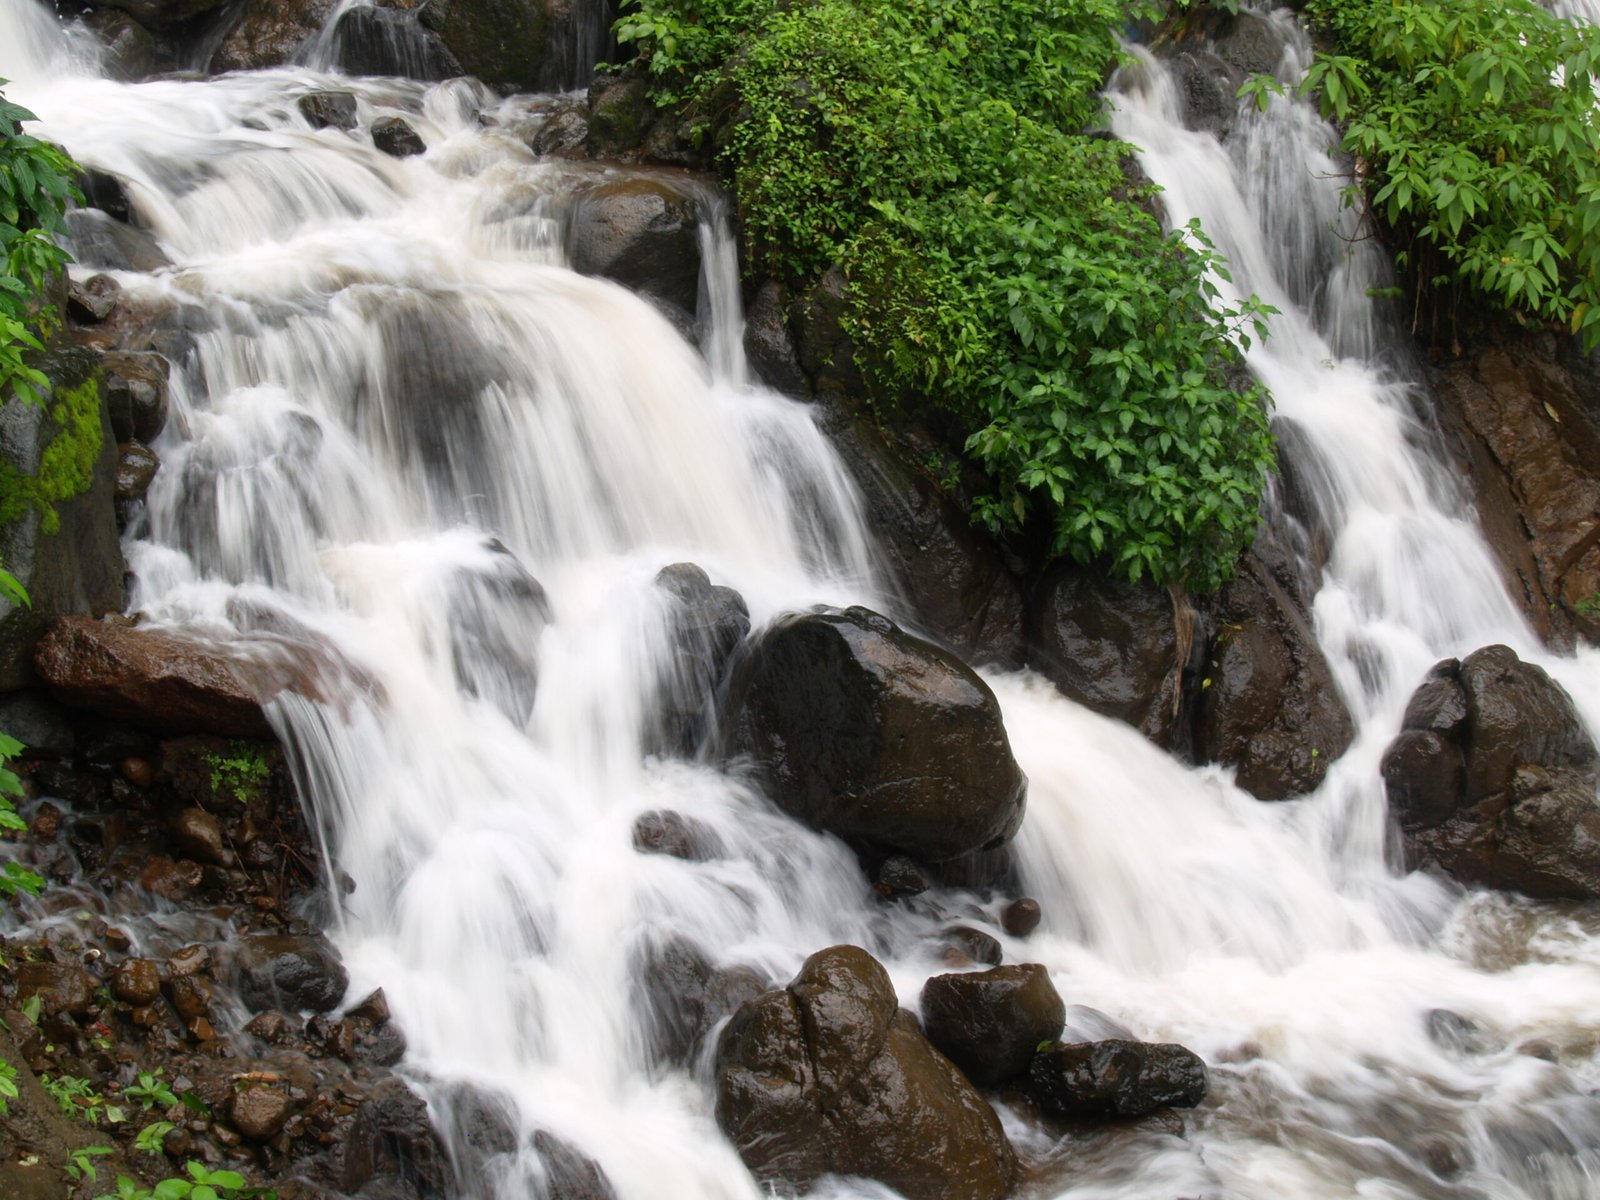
(451,470)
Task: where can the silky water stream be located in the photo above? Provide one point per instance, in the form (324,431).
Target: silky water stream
(401,407)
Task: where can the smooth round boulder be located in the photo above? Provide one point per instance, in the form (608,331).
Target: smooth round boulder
(864,731)
(990,1023)
(829,1076)
(285,971)
(1116,1078)
(644,233)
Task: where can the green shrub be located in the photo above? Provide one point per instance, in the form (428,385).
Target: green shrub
(1002,267)
(1476,123)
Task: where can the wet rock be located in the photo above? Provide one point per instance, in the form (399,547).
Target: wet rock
(1021,917)
(175,881)
(1111,646)
(137,465)
(826,353)
(708,623)
(135,393)
(502,42)
(99,242)
(393,1136)
(287,971)
(898,875)
(563,134)
(396,138)
(828,1076)
(1116,1078)
(200,836)
(768,344)
(621,112)
(191,996)
(272,1027)
(990,1023)
(1271,708)
(675,835)
(685,996)
(268,32)
(374,1008)
(864,731)
(497,610)
(952,579)
(137,981)
(259,1111)
(91,301)
(973,944)
(1493,777)
(164,14)
(570,1174)
(132,53)
(149,678)
(38,722)
(976,869)
(390,41)
(329,110)
(191,960)
(68,556)
(642,232)
(109,194)
(62,988)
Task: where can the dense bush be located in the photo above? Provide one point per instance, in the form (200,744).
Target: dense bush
(1477,125)
(1002,265)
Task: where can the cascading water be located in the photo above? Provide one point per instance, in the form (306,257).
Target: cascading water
(402,410)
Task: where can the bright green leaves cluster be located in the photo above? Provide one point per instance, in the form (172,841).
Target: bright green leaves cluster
(1001,265)
(36,185)
(1477,122)
(14,877)
(66,466)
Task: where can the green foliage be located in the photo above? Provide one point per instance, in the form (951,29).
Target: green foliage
(66,468)
(241,773)
(14,877)
(8,1086)
(1477,123)
(150,1090)
(75,1097)
(202,1184)
(1001,265)
(80,1163)
(36,185)
(151,1139)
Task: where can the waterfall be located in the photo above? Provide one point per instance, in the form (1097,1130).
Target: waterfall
(404,416)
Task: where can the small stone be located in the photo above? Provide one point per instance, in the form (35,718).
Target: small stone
(1021,917)
(137,465)
(200,836)
(177,1142)
(200,1029)
(259,1111)
(898,875)
(137,771)
(119,939)
(137,981)
(191,960)
(170,880)
(276,970)
(990,1023)
(93,300)
(46,822)
(374,1008)
(324,110)
(146,1017)
(1116,1078)
(396,138)
(977,945)
(269,1027)
(190,995)
(224,1136)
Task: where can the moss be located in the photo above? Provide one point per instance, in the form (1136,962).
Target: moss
(66,467)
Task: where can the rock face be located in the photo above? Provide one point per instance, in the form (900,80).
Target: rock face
(502,42)
(829,1076)
(268,32)
(287,971)
(864,731)
(1271,707)
(1523,413)
(952,578)
(1493,777)
(643,232)
(148,678)
(1116,1078)
(990,1023)
(1110,645)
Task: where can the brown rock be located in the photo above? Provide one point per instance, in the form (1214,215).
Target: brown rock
(137,981)
(200,836)
(137,465)
(191,960)
(153,679)
(1021,917)
(1116,1078)
(62,988)
(259,1111)
(644,233)
(990,1023)
(191,996)
(175,881)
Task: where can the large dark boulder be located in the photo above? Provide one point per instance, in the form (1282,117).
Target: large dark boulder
(1269,705)
(1493,778)
(286,971)
(267,33)
(1111,646)
(1116,1078)
(862,730)
(66,553)
(828,1076)
(952,580)
(503,42)
(990,1023)
(150,678)
(642,232)
(163,14)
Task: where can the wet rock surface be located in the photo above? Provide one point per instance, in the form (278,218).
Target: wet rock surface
(859,729)
(708,624)
(503,42)
(1493,778)
(1116,1078)
(642,232)
(828,1075)
(990,1023)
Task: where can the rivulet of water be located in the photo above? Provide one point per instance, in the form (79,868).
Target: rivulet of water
(404,419)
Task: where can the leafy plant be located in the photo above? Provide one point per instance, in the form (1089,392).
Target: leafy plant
(150,1139)
(14,877)
(202,1184)
(75,1097)
(241,773)
(80,1163)
(8,1086)
(1476,123)
(36,185)
(1004,277)
(149,1090)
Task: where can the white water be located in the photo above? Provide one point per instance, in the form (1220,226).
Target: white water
(396,368)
